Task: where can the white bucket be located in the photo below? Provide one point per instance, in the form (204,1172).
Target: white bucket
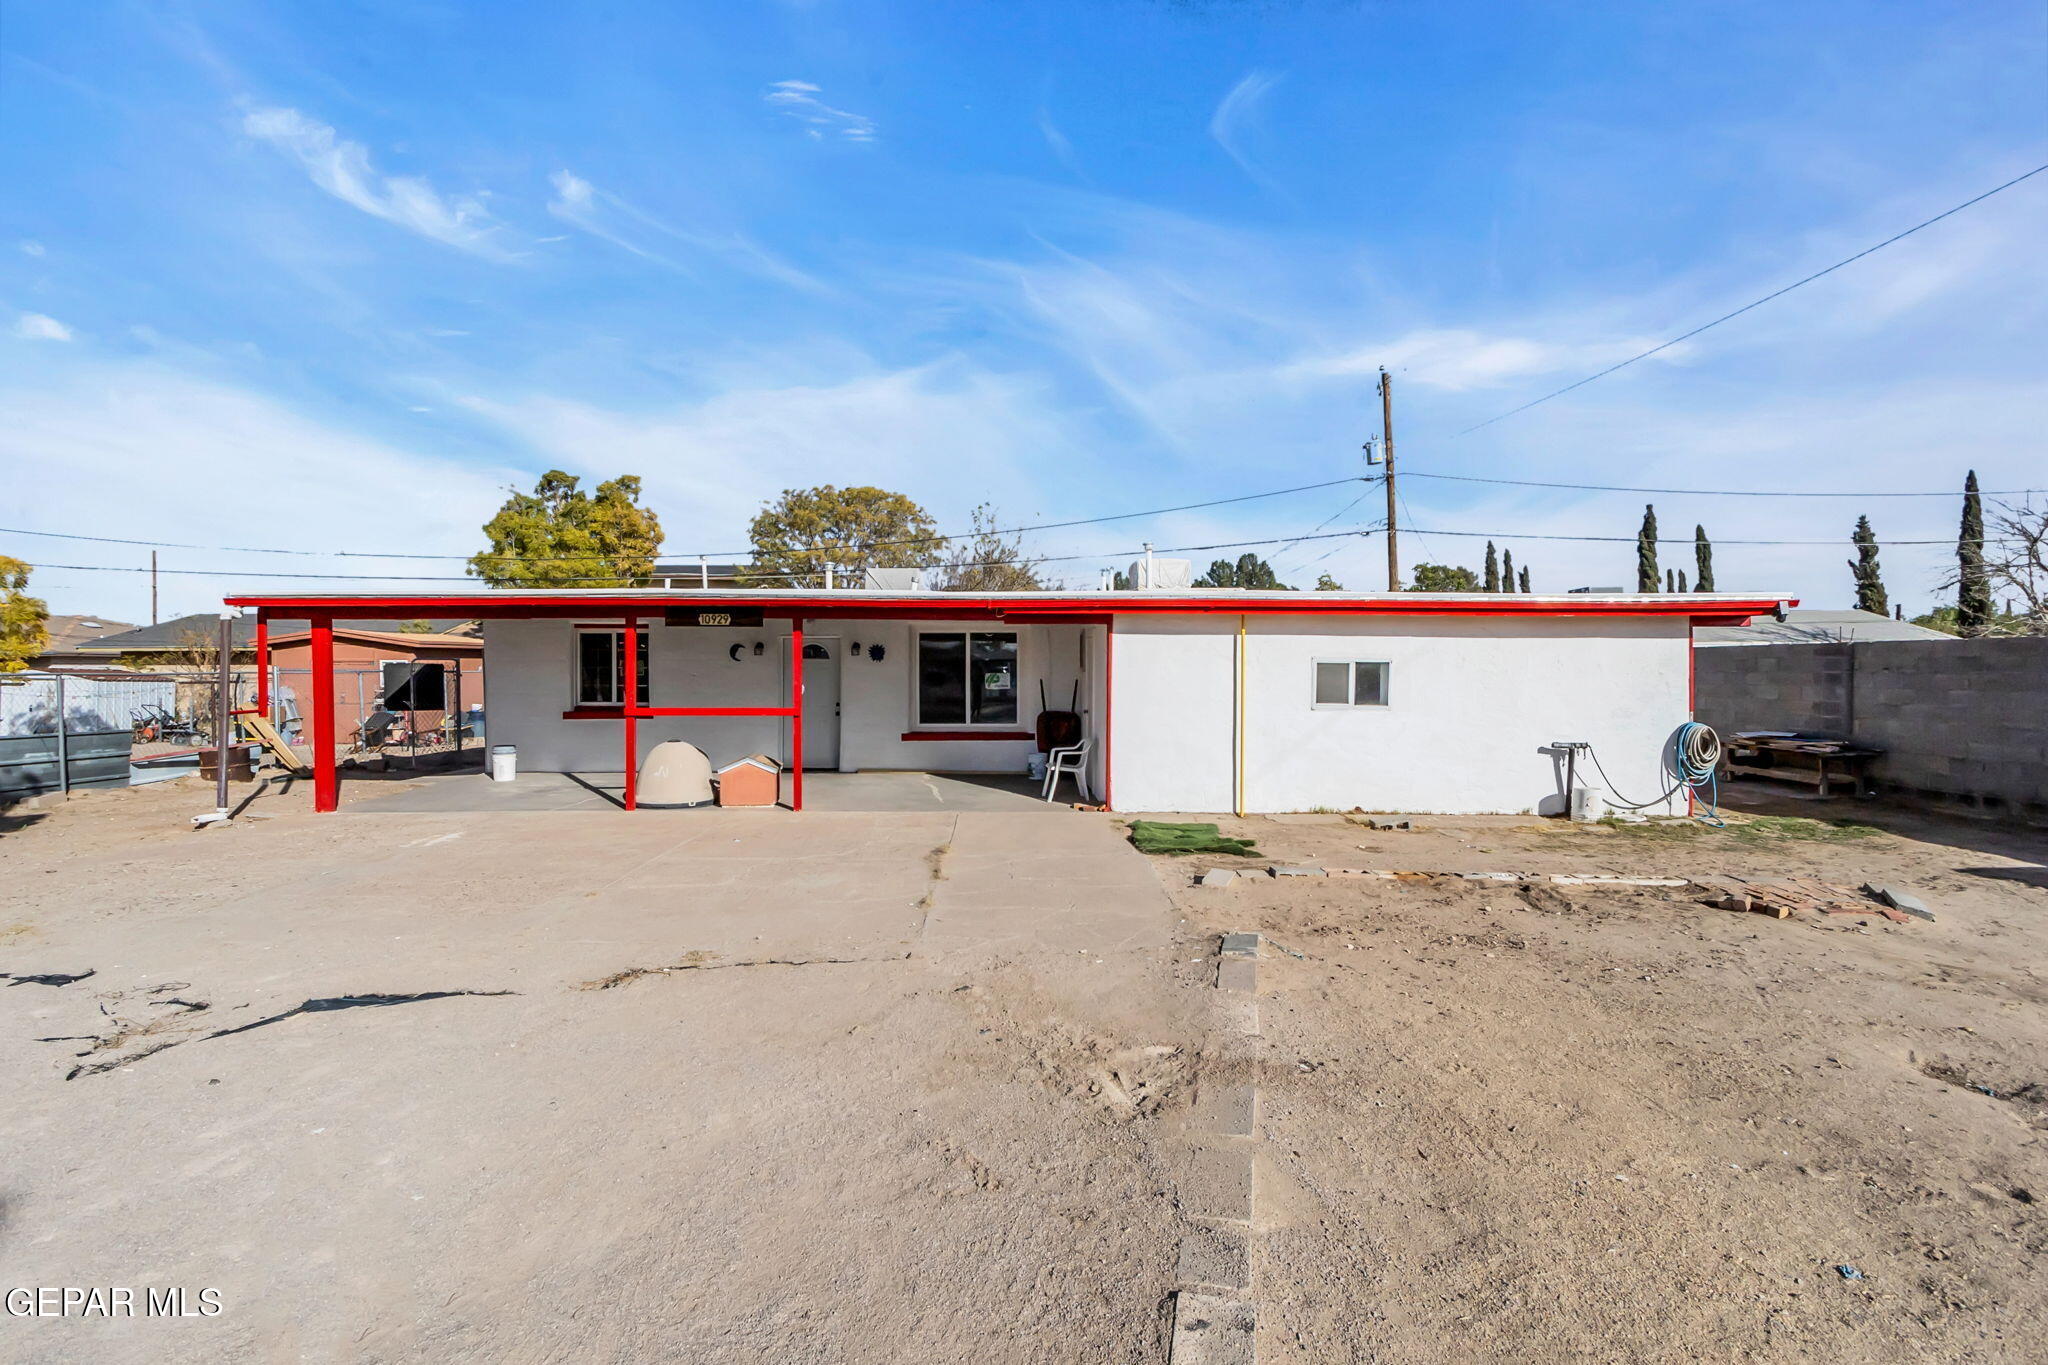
(504,762)
(1588,805)
(1034,764)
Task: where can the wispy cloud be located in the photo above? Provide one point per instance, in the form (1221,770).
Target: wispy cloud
(343,169)
(1233,117)
(609,218)
(40,327)
(1457,359)
(799,100)
(1062,146)
(31,247)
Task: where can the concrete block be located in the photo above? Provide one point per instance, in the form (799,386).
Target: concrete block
(1228,1110)
(1216,876)
(1209,1329)
(1217,1257)
(1899,900)
(1237,974)
(1216,1183)
(1240,945)
(1297,871)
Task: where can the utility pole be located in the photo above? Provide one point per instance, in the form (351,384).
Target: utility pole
(1387,439)
(152,587)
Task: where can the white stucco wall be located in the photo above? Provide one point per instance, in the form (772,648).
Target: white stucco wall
(529,670)
(1471,703)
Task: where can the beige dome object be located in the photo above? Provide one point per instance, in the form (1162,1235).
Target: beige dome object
(675,774)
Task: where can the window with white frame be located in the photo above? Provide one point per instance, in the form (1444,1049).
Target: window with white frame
(967,677)
(1350,682)
(600,665)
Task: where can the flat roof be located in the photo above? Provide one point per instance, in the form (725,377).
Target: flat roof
(1719,609)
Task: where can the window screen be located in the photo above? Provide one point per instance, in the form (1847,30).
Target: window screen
(1350,682)
(601,666)
(968,678)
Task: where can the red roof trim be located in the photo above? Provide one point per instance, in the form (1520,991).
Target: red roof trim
(1049,607)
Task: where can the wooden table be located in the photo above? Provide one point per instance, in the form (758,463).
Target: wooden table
(1817,762)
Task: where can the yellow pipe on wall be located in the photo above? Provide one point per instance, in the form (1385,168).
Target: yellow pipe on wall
(1239,805)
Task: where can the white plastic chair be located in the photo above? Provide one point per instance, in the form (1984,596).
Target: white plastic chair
(1071,760)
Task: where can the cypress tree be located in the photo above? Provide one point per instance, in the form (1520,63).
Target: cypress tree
(1670,581)
(1492,569)
(1507,570)
(1681,582)
(1525,580)
(1973,585)
(1870,594)
(1703,556)
(1646,552)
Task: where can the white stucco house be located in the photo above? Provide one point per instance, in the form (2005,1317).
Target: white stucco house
(1190,700)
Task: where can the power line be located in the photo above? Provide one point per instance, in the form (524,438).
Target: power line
(1677,540)
(803,573)
(1758,303)
(712,554)
(1719,492)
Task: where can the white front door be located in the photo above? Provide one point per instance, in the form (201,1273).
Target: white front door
(821,702)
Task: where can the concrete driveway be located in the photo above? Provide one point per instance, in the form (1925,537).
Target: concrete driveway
(535,1086)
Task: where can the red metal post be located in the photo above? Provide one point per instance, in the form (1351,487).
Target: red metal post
(326,777)
(630,697)
(1108,704)
(262,702)
(796,712)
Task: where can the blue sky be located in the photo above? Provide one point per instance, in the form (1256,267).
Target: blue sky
(347,270)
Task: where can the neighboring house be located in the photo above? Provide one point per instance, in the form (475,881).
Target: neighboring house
(68,633)
(426,676)
(688,573)
(156,646)
(1817,626)
(1191,700)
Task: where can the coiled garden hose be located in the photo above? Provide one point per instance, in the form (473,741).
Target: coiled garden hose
(1695,758)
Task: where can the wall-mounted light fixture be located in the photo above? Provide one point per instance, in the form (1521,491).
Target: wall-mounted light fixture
(759,649)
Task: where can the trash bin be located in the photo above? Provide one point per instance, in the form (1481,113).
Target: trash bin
(1034,764)
(504,762)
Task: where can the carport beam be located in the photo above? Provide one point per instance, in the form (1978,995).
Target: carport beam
(262,702)
(629,693)
(326,780)
(796,713)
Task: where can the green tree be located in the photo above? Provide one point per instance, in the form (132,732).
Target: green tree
(1703,557)
(419,625)
(1249,572)
(987,561)
(1870,594)
(851,529)
(558,536)
(24,620)
(1525,580)
(1646,552)
(1974,607)
(1681,582)
(1507,571)
(1493,570)
(1444,578)
(1325,583)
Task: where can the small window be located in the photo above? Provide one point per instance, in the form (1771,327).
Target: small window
(1349,682)
(601,667)
(967,678)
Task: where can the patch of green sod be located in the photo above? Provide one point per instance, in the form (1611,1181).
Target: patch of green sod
(1160,836)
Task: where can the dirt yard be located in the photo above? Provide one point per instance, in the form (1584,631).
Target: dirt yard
(925,1087)
(1547,1123)
(705,1086)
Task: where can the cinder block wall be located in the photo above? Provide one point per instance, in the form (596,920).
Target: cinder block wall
(1962,718)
